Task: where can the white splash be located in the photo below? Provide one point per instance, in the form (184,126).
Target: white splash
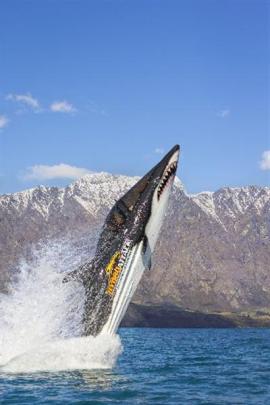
(40,319)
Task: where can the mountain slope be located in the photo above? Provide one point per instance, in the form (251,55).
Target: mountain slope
(213,253)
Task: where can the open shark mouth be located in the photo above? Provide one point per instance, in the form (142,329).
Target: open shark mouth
(168,173)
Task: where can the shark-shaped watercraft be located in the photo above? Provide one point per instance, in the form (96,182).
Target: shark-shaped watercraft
(124,249)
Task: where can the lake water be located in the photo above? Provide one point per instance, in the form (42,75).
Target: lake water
(156,366)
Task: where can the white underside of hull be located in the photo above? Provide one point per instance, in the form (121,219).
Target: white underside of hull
(128,282)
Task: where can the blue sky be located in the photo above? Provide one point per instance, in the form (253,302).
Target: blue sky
(110,85)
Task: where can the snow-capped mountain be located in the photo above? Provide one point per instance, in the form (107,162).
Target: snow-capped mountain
(213,252)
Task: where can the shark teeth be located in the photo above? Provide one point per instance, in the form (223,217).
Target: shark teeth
(169,172)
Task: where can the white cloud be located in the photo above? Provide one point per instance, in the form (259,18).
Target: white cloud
(223,113)
(26,99)
(265,160)
(63,107)
(159,151)
(3,121)
(62,170)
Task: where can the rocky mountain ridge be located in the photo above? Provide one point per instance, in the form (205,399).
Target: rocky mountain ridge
(213,253)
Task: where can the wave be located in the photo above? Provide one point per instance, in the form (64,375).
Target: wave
(40,318)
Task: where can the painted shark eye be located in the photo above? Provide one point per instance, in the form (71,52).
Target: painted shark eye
(118,217)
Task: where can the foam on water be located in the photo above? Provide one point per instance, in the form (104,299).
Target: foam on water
(40,319)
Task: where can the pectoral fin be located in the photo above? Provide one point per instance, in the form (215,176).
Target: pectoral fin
(81,274)
(147,254)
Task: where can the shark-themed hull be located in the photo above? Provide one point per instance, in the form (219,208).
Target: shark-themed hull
(124,248)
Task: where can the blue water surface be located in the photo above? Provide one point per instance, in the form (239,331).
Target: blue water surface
(161,366)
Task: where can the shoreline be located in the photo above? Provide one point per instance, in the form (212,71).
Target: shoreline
(164,316)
